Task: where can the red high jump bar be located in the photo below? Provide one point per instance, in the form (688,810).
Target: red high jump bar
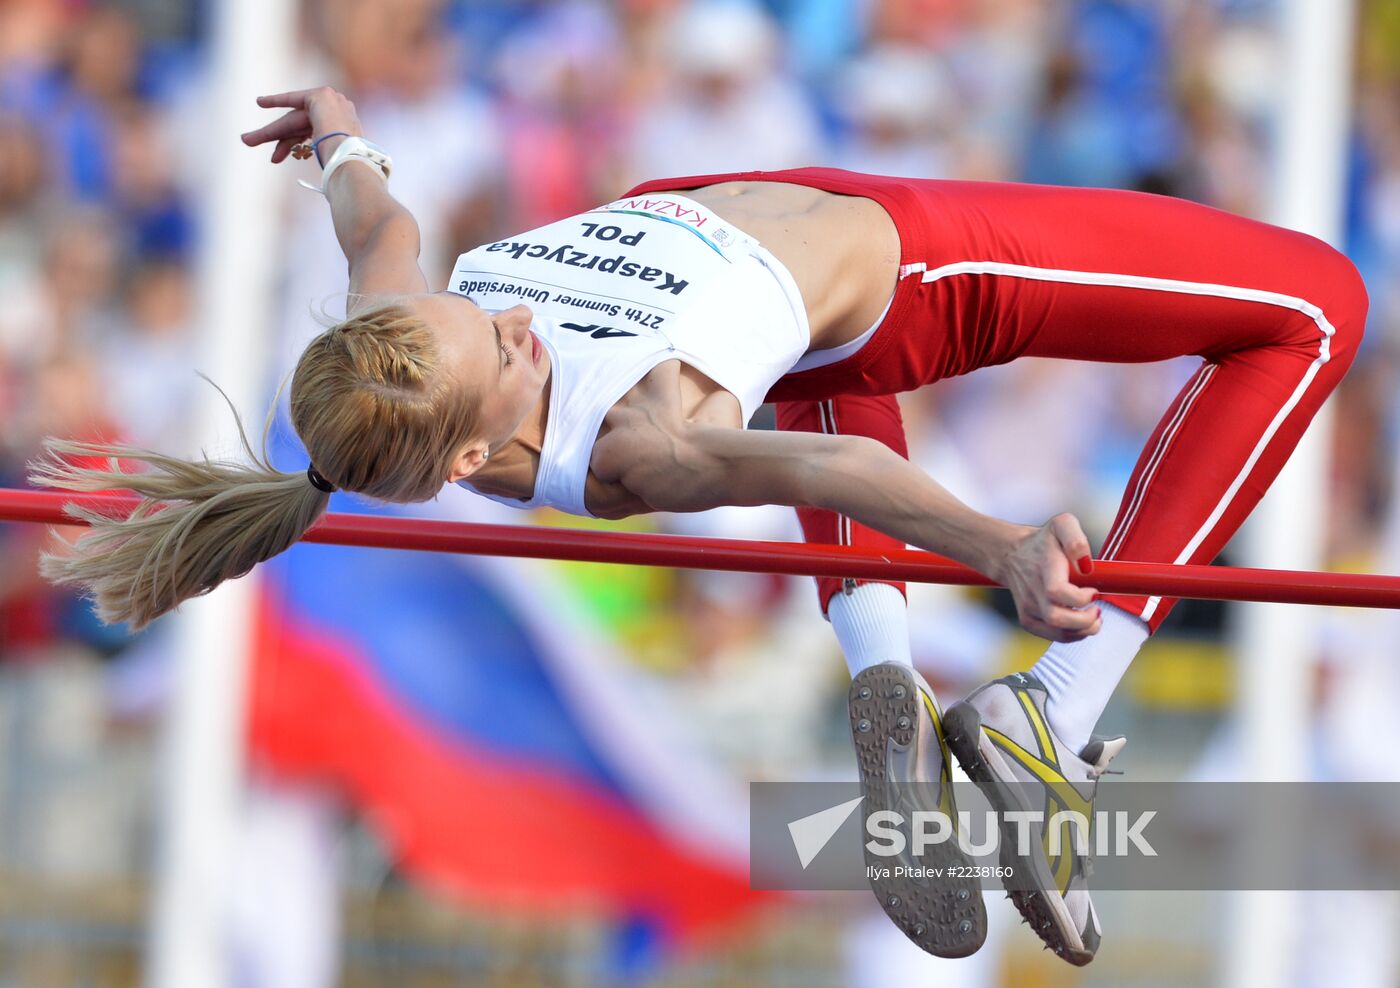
(387,532)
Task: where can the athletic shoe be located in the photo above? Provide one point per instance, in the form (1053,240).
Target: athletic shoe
(1005,744)
(904,766)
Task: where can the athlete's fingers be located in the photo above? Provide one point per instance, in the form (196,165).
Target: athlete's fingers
(1068,595)
(1068,619)
(283,148)
(296,124)
(1051,633)
(295,98)
(1073,541)
(277,130)
(1061,624)
(1040,629)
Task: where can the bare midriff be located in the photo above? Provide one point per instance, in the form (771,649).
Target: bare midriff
(843,251)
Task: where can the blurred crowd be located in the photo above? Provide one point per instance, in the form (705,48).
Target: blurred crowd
(505,114)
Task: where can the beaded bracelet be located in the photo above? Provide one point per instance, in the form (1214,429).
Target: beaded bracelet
(316,144)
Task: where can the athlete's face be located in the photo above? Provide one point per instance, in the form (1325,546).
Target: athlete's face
(493,356)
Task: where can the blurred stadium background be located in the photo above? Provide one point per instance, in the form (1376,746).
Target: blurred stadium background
(475,772)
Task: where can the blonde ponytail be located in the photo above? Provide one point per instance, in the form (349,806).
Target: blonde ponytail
(371,406)
(198,524)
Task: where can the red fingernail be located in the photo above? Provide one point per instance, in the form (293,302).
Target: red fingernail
(1086,565)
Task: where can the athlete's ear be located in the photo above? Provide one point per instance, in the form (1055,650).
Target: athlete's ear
(470,458)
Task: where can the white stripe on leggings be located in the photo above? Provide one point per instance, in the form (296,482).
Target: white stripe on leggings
(1106,280)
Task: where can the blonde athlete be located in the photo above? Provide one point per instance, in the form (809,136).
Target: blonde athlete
(607,365)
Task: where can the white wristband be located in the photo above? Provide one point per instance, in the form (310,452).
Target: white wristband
(353,147)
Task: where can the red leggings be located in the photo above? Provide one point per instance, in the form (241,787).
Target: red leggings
(991,272)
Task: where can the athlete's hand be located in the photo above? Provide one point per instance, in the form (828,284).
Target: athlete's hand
(1037,572)
(313,113)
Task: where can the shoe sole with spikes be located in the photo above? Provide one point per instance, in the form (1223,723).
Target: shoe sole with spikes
(896,726)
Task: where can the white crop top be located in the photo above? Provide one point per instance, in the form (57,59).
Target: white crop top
(621,288)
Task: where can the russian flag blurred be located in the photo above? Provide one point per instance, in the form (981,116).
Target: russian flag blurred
(478,718)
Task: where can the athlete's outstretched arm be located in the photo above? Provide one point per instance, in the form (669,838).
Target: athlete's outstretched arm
(688,467)
(377,234)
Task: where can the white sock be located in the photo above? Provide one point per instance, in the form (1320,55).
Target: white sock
(1079,677)
(872,625)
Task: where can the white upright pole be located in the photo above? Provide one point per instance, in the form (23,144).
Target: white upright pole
(1278,643)
(203,758)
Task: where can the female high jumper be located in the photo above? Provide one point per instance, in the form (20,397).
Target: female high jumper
(607,365)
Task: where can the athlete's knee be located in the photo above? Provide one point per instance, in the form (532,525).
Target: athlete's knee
(1341,294)
(1351,323)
